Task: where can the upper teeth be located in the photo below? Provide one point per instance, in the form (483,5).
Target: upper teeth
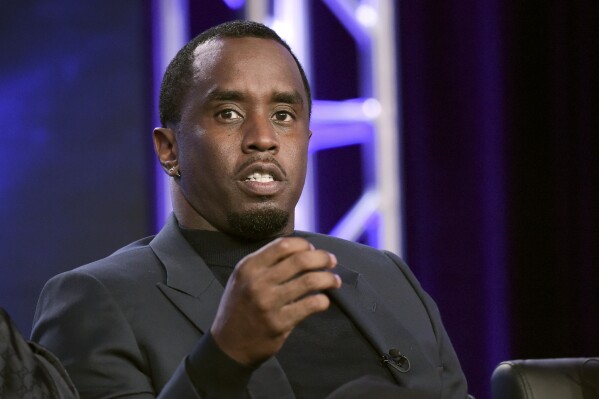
(260,177)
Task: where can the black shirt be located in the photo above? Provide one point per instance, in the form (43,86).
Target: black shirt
(325,351)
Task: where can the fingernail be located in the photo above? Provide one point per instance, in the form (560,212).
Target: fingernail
(338,278)
(333,259)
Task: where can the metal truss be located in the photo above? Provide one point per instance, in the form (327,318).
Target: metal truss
(371,121)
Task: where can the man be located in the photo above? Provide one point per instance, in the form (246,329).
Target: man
(28,371)
(228,301)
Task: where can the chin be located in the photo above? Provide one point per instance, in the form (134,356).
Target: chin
(258,224)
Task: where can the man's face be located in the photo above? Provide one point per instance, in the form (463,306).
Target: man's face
(243,137)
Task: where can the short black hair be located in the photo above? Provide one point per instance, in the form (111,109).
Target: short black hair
(179,74)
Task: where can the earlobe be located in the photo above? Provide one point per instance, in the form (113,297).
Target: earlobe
(165,145)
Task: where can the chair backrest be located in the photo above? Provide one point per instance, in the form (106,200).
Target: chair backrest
(565,378)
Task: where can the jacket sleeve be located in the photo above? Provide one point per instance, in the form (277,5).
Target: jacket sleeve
(454,381)
(79,320)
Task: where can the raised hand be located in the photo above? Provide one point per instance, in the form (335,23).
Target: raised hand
(268,294)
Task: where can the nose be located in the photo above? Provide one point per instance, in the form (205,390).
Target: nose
(259,135)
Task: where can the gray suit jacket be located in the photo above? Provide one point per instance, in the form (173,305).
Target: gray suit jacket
(123,325)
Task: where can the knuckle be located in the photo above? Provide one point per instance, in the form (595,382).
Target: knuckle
(279,325)
(283,243)
(302,258)
(244,268)
(261,305)
(317,302)
(312,259)
(292,243)
(310,280)
(317,281)
(262,302)
(276,326)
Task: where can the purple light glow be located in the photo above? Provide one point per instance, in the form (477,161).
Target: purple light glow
(234,4)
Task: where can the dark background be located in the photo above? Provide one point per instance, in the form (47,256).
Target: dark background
(500,104)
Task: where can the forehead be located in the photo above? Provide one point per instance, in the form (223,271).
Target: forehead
(245,63)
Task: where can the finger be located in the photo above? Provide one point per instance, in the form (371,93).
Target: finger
(301,262)
(274,252)
(295,312)
(307,284)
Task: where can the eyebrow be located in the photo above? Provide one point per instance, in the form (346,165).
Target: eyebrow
(286,97)
(224,95)
(292,97)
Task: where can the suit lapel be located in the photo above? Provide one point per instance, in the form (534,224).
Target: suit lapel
(194,291)
(190,285)
(380,326)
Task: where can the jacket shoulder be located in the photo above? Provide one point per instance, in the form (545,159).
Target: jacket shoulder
(327,241)
(129,262)
(350,252)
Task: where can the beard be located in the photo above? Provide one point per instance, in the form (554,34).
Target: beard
(258,225)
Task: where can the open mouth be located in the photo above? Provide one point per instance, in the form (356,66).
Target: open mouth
(264,180)
(260,177)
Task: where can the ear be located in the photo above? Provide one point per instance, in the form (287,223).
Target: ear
(165,145)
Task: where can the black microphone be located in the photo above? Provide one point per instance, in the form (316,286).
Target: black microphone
(397,360)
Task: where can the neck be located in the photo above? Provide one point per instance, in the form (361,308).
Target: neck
(187,216)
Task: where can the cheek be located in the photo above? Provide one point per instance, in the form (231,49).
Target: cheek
(298,159)
(210,172)
(199,153)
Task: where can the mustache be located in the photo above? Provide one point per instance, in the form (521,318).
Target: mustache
(261,159)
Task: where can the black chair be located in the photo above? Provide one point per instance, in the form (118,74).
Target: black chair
(565,378)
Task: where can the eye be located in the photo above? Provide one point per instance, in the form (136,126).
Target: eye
(228,114)
(283,116)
